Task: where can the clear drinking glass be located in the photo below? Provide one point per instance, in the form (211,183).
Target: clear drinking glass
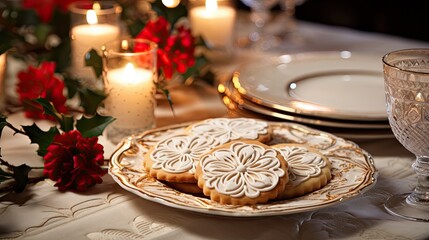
(406,75)
(260,15)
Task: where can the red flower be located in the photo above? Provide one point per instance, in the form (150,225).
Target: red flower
(63,5)
(156,31)
(41,82)
(74,161)
(45,8)
(175,52)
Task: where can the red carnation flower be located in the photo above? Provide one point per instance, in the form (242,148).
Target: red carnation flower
(41,82)
(45,8)
(156,31)
(74,161)
(175,51)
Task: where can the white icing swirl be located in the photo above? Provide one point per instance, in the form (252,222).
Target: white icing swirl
(227,129)
(178,154)
(303,163)
(242,170)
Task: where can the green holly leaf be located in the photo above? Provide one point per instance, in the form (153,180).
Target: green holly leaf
(94,126)
(40,137)
(90,100)
(200,62)
(20,174)
(92,59)
(72,86)
(48,107)
(66,122)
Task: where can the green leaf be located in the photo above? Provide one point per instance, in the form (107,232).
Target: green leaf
(66,122)
(72,86)
(92,127)
(171,14)
(41,31)
(5,174)
(48,107)
(200,62)
(92,59)
(90,100)
(61,55)
(20,174)
(40,137)
(161,88)
(4,178)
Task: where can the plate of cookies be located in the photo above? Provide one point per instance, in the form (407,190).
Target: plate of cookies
(242,167)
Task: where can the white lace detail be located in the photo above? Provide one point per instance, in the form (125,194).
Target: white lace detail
(242,170)
(225,129)
(303,163)
(177,154)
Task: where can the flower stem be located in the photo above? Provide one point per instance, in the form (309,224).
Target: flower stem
(16,129)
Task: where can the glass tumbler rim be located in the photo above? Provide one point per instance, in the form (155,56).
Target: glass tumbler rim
(107,7)
(389,64)
(108,51)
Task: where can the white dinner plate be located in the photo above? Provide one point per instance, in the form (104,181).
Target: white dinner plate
(339,85)
(227,88)
(353,172)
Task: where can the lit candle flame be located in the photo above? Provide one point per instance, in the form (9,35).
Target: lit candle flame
(91,17)
(211,5)
(96,6)
(124,45)
(171,3)
(130,73)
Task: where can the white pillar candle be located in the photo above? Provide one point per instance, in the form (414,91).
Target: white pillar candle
(86,37)
(130,97)
(214,23)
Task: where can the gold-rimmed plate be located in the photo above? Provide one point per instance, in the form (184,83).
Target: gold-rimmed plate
(353,173)
(337,85)
(228,89)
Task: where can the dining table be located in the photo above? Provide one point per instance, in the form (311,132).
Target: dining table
(110,211)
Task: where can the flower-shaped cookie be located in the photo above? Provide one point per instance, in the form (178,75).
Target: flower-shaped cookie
(242,172)
(309,170)
(227,129)
(173,159)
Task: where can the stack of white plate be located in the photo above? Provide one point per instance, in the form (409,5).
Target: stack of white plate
(340,92)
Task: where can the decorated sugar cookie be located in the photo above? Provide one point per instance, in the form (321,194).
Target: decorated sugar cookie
(224,130)
(242,172)
(309,170)
(173,159)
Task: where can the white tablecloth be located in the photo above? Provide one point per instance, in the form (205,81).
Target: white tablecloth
(109,212)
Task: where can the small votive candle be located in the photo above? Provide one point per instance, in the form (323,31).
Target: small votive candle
(130,75)
(214,21)
(92,24)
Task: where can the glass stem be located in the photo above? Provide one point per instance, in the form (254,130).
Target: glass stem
(420,194)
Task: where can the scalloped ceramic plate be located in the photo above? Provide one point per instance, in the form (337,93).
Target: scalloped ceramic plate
(353,173)
(338,85)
